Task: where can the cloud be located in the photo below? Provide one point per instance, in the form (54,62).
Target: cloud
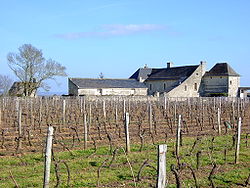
(114,30)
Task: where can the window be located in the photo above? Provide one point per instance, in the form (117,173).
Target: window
(195,86)
(150,86)
(164,86)
(231,82)
(185,87)
(211,77)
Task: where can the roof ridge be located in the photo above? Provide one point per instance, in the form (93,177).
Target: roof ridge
(189,66)
(227,67)
(107,83)
(102,78)
(222,69)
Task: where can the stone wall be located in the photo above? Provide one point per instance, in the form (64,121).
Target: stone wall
(174,88)
(113,91)
(215,84)
(221,84)
(73,90)
(190,87)
(124,91)
(233,86)
(158,85)
(89,92)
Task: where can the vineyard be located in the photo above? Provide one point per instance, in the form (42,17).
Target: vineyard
(92,130)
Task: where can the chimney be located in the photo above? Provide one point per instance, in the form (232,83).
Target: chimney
(203,66)
(170,64)
(203,62)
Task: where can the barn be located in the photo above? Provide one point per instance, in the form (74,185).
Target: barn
(103,86)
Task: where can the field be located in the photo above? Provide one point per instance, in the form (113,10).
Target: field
(89,141)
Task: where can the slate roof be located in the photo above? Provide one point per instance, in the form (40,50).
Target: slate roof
(141,72)
(173,73)
(222,69)
(88,83)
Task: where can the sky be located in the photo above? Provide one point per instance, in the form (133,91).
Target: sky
(116,37)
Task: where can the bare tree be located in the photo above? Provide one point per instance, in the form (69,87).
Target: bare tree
(5,84)
(32,69)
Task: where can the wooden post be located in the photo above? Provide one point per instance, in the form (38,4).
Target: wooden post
(175,112)
(17,105)
(90,116)
(218,121)
(127,132)
(19,146)
(20,122)
(85,131)
(84,104)
(161,172)
(40,111)
(202,113)
(233,114)
(48,157)
(242,107)
(32,121)
(0,116)
(238,107)
(104,109)
(116,113)
(80,104)
(64,110)
(150,118)
(237,151)
(178,135)
(165,103)
(124,107)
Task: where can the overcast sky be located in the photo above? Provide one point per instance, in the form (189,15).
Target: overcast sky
(116,37)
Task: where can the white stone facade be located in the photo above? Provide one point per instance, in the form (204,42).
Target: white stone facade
(76,91)
(190,87)
(221,84)
(221,80)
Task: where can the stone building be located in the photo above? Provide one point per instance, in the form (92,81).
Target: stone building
(244,92)
(87,86)
(19,89)
(221,80)
(190,81)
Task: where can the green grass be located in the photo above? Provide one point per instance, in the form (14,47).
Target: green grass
(83,164)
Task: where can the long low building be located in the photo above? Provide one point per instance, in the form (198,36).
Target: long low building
(102,86)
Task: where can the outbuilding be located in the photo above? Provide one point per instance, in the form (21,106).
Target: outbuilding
(103,86)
